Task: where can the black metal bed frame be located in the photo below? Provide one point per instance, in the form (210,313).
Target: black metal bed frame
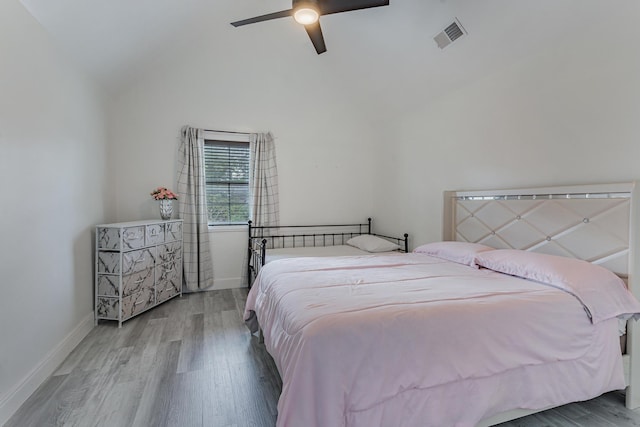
(268,237)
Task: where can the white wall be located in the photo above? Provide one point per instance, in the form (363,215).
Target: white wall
(566,115)
(323,145)
(52,170)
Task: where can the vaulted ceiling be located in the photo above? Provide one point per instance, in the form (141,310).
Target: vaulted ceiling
(384,55)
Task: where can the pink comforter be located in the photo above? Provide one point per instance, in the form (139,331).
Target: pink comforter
(410,340)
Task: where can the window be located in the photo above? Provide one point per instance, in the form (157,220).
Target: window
(226,165)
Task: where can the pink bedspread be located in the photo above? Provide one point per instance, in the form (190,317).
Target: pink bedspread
(410,340)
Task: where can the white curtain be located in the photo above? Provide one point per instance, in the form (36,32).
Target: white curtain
(198,266)
(263,178)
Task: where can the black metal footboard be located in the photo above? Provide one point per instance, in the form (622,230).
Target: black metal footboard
(291,236)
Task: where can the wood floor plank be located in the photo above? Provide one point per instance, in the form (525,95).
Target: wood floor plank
(192,362)
(240,299)
(218,401)
(192,355)
(32,412)
(571,411)
(84,352)
(118,407)
(157,394)
(98,385)
(196,302)
(144,349)
(613,414)
(250,391)
(175,314)
(97,351)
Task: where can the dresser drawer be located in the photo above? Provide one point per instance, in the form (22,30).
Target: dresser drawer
(169,284)
(107,308)
(169,252)
(170,290)
(132,237)
(167,270)
(136,261)
(135,282)
(138,302)
(109,262)
(173,231)
(108,285)
(154,234)
(108,238)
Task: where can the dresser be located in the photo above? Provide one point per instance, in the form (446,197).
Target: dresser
(138,266)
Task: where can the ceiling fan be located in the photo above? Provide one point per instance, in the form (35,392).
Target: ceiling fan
(307,13)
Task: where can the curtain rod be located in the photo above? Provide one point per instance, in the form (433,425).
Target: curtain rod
(226,131)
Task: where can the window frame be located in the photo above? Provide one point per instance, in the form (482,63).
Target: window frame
(223,139)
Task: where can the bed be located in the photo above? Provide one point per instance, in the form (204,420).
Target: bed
(518,312)
(269,243)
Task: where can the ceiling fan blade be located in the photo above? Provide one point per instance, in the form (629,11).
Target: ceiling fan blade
(336,6)
(261,18)
(315,34)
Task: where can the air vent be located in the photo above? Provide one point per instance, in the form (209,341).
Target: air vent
(450,34)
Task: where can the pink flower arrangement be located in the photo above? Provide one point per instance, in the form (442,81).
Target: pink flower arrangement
(162,193)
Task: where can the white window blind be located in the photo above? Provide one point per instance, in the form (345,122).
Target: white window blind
(227,180)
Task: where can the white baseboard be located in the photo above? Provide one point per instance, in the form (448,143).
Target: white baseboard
(232,283)
(47,366)
(229,283)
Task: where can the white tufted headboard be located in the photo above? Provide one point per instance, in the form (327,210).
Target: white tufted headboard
(588,222)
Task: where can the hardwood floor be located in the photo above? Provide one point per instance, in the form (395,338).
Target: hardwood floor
(192,362)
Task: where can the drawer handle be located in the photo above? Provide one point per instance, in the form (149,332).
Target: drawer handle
(131,235)
(141,259)
(139,281)
(138,302)
(168,288)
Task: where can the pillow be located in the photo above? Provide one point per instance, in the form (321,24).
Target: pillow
(371,243)
(460,252)
(603,294)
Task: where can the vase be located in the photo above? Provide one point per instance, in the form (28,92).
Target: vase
(166,208)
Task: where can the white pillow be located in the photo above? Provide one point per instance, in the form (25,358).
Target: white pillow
(371,243)
(459,252)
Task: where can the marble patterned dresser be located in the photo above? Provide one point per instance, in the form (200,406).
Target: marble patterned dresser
(138,266)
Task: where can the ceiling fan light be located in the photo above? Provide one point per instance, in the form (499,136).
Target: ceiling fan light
(306,15)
